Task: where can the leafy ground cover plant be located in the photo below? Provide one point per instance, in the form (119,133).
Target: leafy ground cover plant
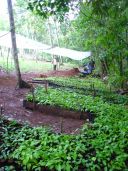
(88,86)
(106,96)
(61,98)
(77,82)
(100,146)
(65,99)
(12,135)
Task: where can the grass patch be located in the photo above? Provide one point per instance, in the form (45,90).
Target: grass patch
(27,65)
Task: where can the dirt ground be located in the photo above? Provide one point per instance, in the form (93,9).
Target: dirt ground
(12,100)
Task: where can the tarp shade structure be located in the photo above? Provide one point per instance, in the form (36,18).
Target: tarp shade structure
(73,54)
(22,42)
(25,43)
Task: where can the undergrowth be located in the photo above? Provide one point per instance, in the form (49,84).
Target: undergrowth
(100,146)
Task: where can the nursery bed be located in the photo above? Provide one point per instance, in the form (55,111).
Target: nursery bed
(57,111)
(112,97)
(56,85)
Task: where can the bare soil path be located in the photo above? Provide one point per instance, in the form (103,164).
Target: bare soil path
(12,100)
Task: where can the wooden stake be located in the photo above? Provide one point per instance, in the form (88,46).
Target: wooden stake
(61,125)
(1,109)
(46,86)
(33,96)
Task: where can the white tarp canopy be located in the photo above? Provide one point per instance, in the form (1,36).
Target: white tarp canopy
(25,43)
(73,54)
(22,42)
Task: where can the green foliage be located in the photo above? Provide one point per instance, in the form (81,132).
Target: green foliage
(88,86)
(101,146)
(68,100)
(12,134)
(116,80)
(110,24)
(30,65)
(64,99)
(3,25)
(101,27)
(60,152)
(77,82)
(46,8)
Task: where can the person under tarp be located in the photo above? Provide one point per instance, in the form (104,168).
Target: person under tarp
(54,62)
(88,68)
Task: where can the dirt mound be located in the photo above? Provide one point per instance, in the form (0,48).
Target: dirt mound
(58,73)
(63,73)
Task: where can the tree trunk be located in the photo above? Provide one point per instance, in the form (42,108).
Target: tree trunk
(103,68)
(127,43)
(8,61)
(14,46)
(120,63)
(51,37)
(58,42)
(1,51)
(106,66)
(50,34)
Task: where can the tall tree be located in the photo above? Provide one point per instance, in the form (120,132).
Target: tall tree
(20,82)
(102,25)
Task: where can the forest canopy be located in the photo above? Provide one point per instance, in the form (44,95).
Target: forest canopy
(100,26)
